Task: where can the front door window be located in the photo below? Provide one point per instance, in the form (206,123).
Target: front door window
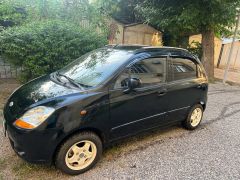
(150,72)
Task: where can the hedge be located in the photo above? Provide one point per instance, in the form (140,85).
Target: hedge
(44,47)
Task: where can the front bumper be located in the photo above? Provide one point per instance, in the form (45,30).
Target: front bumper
(34,146)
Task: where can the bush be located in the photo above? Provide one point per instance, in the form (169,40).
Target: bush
(44,47)
(11,15)
(196,49)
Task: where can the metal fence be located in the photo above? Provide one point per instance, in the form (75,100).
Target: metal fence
(8,71)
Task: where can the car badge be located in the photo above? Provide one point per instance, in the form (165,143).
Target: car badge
(11,104)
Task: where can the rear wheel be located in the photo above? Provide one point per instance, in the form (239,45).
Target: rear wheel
(79,153)
(194,117)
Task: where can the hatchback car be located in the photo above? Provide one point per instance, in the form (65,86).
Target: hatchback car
(69,116)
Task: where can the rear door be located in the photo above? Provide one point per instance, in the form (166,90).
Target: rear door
(185,87)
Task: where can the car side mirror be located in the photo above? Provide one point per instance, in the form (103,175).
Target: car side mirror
(132,84)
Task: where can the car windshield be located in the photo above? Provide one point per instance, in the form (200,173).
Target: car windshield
(95,67)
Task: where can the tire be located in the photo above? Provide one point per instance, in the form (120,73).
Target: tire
(192,123)
(79,153)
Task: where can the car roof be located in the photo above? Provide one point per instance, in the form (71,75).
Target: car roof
(173,51)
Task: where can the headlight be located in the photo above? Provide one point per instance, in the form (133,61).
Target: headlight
(34,117)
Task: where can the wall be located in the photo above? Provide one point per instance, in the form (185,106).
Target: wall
(140,34)
(134,34)
(8,71)
(235,61)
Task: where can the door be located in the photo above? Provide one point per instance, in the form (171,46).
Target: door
(184,87)
(144,107)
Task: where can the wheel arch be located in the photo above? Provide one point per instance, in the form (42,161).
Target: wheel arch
(98,132)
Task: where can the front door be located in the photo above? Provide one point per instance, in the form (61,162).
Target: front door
(144,107)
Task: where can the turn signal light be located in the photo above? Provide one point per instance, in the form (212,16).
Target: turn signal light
(22,124)
(83,112)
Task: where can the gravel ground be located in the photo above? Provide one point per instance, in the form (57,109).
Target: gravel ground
(210,152)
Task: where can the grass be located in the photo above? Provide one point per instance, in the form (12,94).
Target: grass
(1,176)
(24,170)
(3,164)
(112,152)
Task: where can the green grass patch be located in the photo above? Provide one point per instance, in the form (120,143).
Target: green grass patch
(3,164)
(24,170)
(1,176)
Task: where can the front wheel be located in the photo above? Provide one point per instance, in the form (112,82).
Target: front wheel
(79,153)
(194,117)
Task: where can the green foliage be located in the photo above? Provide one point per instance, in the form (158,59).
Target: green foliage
(120,10)
(195,48)
(74,11)
(65,10)
(187,16)
(11,15)
(46,46)
(48,34)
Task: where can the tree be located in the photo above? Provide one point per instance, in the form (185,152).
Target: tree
(11,15)
(186,17)
(126,11)
(75,11)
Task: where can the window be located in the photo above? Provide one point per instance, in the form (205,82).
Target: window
(181,68)
(150,71)
(95,67)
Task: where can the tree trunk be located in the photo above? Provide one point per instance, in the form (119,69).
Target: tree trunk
(208,52)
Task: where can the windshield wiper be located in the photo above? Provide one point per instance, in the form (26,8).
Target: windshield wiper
(70,80)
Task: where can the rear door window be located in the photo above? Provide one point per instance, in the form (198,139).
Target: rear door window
(181,68)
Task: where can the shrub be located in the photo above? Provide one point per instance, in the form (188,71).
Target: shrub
(196,49)
(44,47)
(11,15)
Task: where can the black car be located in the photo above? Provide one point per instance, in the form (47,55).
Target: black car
(67,117)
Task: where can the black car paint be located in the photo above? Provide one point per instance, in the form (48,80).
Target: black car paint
(112,114)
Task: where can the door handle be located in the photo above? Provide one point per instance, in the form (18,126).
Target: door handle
(162,92)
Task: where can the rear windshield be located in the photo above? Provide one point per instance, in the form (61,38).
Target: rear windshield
(95,67)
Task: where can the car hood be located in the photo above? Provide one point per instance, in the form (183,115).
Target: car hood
(36,92)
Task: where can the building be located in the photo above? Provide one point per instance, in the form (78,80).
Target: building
(135,33)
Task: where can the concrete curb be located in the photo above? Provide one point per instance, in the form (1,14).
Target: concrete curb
(231,83)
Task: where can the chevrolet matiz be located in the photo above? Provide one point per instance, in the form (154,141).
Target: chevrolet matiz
(69,116)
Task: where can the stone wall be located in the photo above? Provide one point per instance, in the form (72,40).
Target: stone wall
(8,71)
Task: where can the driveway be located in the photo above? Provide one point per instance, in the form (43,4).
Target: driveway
(210,152)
